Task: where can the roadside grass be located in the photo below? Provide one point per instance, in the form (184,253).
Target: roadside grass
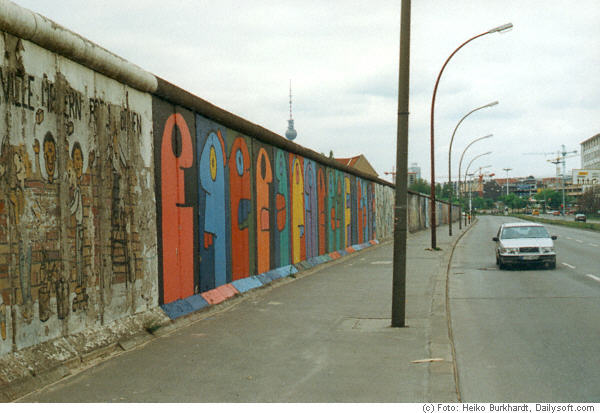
(572,224)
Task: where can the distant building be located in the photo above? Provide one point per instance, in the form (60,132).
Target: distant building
(511,183)
(412,178)
(582,180)
(590,153)
(360,163)
(415,170)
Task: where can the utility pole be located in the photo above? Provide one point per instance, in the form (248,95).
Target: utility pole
(401,205)
(507,169)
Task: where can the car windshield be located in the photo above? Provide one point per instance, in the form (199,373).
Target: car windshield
(524,232)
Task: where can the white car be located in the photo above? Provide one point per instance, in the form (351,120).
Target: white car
(524,243)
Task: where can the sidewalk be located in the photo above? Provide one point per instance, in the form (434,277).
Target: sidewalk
(322,337)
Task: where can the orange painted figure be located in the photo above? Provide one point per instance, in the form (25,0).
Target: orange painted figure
(264,177)
(177,219)
(240,193)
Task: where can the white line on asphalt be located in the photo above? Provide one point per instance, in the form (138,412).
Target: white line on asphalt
(381,262)
(593,277)
(579,241)
(569,265)
(569,238)
(594,245)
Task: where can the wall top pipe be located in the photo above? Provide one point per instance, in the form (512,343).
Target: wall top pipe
(44,32)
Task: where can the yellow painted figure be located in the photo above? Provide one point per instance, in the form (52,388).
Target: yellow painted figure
(297,211)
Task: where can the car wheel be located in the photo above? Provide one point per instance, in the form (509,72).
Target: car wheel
(552,265)
(501,264)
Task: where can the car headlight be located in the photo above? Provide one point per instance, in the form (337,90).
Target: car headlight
(508,250)
(547,250)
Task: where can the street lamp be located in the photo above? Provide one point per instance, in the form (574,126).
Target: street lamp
(489,105)
(463,154)
(470,195)
(507,169)
(498,29)
(466,173)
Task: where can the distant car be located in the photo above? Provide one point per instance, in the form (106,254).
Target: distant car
(521,243)
(555,212)
(535,212)
(580,217)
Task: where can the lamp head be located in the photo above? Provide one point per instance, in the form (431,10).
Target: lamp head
(489,105)
(502,29)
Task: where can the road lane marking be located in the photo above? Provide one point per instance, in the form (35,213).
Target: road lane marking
(593,277)
(381,262)
(568,265)
(569,238)
(594,245)
(579,241)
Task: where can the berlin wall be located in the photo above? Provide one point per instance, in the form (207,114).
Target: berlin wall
(121,193)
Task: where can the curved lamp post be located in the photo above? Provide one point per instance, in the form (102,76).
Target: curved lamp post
(498,29)
(463,154)
(467,172)
(489,105)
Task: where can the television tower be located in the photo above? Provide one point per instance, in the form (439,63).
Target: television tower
(291,132)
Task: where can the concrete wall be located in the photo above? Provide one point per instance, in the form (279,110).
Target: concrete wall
(231,206)
(120,192)
(77,206)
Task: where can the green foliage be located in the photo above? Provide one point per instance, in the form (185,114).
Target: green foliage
(482,203)
(552,198)
(421,186)
(513,201)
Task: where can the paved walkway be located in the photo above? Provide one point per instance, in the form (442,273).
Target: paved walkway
(322,337)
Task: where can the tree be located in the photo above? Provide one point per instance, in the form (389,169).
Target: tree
(552,198)
(421,186)
(513,201)
(590,200)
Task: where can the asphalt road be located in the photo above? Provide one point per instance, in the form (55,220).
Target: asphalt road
(527,335)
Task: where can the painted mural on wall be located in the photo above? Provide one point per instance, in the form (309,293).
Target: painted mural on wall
(230,206)
(71,176)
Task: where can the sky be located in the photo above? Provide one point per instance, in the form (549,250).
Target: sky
(342,59)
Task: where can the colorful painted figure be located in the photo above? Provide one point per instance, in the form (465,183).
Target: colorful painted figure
(282,244)
(311,209)
(297,206)
(50,156)
(264,177)
(321,193)
(347,213)
(177,218)
(211,170)
(240,196)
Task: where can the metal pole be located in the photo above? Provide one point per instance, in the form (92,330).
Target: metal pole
(507,169)
(401,204)
(460,164)
(498,29)
(450,162)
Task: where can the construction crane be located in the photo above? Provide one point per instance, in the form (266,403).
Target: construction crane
(482,176)
(393,173)
(561,158)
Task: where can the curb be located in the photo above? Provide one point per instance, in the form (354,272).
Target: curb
(448,315)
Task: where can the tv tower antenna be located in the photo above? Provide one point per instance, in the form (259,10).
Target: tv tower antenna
(291,132)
